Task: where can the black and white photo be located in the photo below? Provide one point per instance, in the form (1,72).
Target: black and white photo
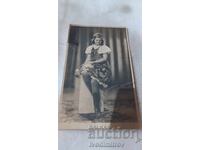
(99,87)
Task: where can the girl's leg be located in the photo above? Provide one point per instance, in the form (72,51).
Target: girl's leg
(87,80)
(96,95)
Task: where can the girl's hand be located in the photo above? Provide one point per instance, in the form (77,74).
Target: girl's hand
(77,73)
(88,65)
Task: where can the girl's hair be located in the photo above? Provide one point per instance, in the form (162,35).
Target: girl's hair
(97,35)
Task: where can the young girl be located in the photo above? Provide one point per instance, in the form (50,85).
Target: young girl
(96,71)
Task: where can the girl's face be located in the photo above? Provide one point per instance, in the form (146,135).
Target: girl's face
(97,41)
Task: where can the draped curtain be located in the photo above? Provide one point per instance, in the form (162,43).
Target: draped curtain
(115,38)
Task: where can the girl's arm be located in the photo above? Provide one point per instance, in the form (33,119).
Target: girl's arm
(88,58)
(104,58)
(79,71)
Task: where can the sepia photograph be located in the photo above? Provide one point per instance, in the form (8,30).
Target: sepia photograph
(99,87)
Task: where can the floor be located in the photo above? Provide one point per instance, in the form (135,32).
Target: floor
(114,111)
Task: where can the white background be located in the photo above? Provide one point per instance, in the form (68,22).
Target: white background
(29,81)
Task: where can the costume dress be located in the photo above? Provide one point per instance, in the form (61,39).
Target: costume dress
(101,72)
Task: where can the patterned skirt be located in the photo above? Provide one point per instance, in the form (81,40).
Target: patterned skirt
(101,72)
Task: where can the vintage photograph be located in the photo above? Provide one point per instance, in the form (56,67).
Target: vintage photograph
(99,87)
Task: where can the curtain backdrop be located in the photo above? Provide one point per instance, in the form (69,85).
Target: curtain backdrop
(115,38)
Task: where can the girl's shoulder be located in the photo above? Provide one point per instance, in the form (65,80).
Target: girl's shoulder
(104,49)
(89,49)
